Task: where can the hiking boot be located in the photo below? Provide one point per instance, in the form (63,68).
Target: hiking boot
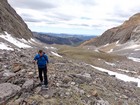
(45,86)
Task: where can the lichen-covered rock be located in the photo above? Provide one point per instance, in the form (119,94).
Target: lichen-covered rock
(28,85)
(7,91)
(17,67)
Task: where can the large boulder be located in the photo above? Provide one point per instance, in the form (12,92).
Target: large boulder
(17,67)
(101,102)
(7,91)
(28,85)
(81,78)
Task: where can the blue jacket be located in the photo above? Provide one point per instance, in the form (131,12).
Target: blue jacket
(41,60)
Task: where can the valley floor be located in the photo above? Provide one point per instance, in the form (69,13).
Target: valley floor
(72,79)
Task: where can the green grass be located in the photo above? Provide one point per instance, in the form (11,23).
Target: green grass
(86,55)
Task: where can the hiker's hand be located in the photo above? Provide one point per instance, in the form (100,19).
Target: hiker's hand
(34,61)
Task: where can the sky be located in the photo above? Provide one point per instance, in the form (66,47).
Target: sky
(86,17)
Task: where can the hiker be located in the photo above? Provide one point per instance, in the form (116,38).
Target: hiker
(42,61)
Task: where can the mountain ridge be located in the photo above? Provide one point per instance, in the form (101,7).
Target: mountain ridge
(12,23)
(124,33)
(61,39)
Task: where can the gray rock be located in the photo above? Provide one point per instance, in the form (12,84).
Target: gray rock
(17,67)
(7,91)
(101,102)
(8,74)
(28,85)
(83,77)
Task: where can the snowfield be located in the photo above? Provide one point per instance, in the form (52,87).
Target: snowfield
(21,43)
(3,46)
(122,77)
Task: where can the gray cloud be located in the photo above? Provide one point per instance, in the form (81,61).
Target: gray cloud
(63,17)
(96,26)
(29,18)
(85,25)
(85,18)
(54,19)
(32,4)
(115,20)
(59,17)
(120,13)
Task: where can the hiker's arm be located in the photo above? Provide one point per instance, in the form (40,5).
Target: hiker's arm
(47,58)
(35,58)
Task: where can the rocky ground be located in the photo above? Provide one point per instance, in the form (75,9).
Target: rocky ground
(71,82)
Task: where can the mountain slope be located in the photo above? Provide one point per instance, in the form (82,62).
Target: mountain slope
(48,39)
(128,31)
(12,23)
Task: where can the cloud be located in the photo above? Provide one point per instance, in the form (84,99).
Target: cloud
(32,4)
(79,14)
(60,17)
(115,20)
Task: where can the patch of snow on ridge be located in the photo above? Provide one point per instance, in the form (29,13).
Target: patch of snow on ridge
(134,59)
(132,46)
(56,54)
(136,49)
(19,43)
(111,64)
(106,45)
(33,41)
(127,71)
(117,42)
(111,50)
(3,46)
(96,50)
(122,77)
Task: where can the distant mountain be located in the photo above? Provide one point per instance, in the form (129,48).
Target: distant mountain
(62,39)
(62,35)
(12,23)
(128,31)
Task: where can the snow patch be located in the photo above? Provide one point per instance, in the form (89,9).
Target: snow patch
(111,64)
(117,42)
(33,41)
(127,71)
(96,50)
(3,46)
(132,46)
(53,48)
(106,45)
(118,75)
(111,50)
(134,59)
(137,50)
(56,54)
(17,42)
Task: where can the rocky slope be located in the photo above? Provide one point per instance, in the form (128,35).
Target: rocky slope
(122,40)
(12,23)
(128,31)
(71,82)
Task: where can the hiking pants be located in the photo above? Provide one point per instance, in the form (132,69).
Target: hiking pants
(44,70)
